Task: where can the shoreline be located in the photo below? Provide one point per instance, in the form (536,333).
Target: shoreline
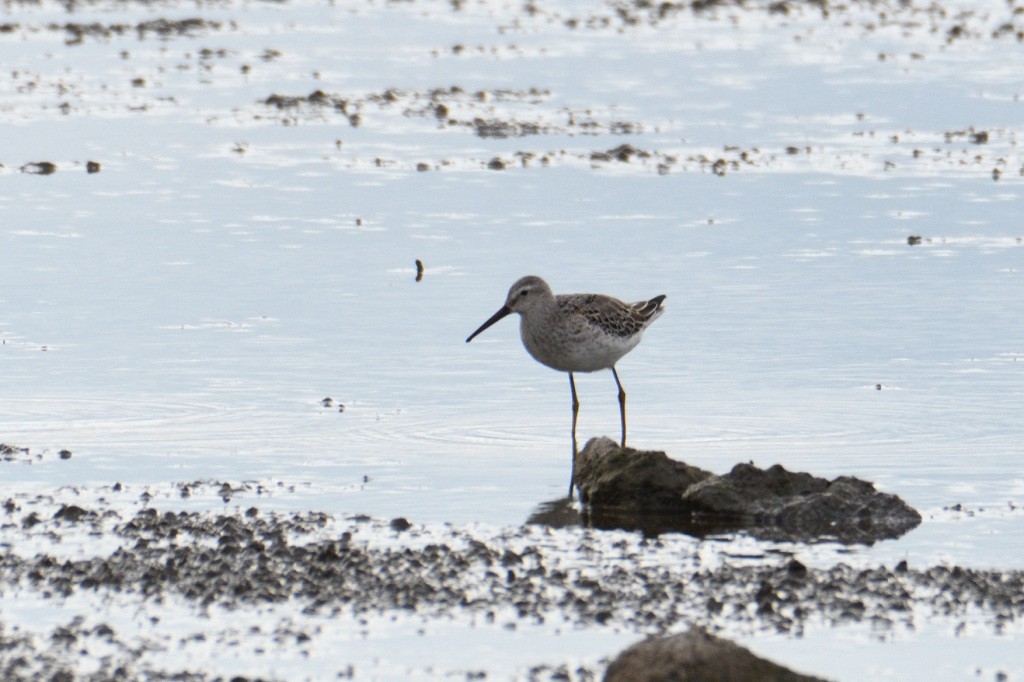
(356,567)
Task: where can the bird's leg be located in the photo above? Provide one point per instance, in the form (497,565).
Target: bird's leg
(622,405)
(575,413)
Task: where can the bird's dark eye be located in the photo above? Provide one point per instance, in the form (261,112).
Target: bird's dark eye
(523,293)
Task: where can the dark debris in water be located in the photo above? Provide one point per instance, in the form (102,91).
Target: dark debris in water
(77,32)
(39,168)
(14,453)
(532,113)
(442,105)
(10,453)
(50,656)
(358,566)
(262,558)
(49,167)
(329,402)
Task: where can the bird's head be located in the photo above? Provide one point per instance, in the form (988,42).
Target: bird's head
(526,293)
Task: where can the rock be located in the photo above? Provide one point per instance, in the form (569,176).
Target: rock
(626,488)
(694,656)
(633,480)
(399,524)
(799,506)
(71,512)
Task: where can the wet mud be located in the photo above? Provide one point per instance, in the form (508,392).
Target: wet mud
(478,113)
(353,567)
(553,134)
(76,32)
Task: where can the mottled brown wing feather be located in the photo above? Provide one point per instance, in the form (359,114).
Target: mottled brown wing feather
(612,315)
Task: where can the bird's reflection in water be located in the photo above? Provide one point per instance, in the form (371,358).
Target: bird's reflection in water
(565,513)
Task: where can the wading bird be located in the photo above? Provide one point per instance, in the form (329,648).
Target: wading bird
(576,333)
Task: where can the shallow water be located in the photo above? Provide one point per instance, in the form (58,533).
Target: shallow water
(181,314)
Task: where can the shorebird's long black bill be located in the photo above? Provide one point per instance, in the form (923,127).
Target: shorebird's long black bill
(505,310)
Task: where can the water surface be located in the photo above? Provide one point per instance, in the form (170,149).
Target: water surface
(181,314)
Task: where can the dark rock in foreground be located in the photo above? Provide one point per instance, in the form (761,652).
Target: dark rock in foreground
(626,488)
(695,655)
